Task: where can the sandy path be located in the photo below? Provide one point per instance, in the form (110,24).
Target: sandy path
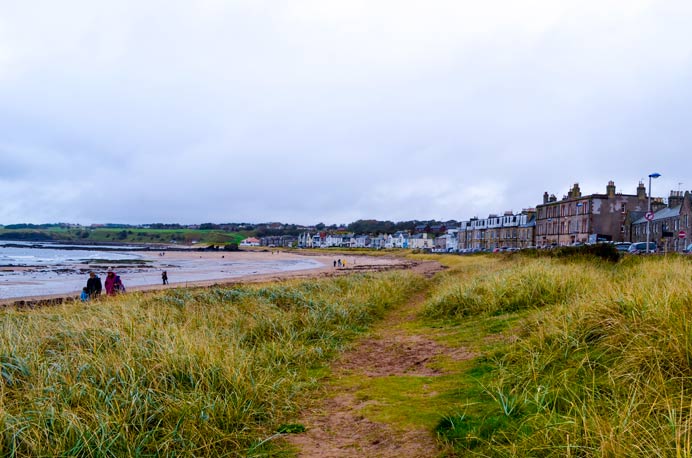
(337,428)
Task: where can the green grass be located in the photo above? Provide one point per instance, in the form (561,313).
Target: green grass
(203,372)
(575,357)
(598,361)
(126,235)
(525,285)
(408,401)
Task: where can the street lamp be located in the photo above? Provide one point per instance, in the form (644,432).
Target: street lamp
(550,220)
(578,205)
(648,221)
(559,223)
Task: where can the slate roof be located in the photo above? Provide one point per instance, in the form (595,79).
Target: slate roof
(663,213)
(530,223)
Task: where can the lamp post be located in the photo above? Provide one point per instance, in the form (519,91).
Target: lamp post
(577,206)
(648,222)
(559,228)
(549,220)
(559,223)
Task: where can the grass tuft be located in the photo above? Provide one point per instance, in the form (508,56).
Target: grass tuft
(601,366)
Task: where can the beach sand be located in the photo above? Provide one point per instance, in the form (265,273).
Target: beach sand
(207,263)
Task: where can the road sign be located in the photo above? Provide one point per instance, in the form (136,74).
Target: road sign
(649,216)
(682,234)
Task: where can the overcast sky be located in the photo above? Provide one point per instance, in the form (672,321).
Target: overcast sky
(331,111)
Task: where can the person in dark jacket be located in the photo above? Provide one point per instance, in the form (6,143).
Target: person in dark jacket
(93,286)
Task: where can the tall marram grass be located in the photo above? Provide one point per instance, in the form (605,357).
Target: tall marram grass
(603,367)
(204,372)
(501,288)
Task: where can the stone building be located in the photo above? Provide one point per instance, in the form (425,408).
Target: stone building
(586,219)
(668,221)
(527,229)
(465,235)
(507,231)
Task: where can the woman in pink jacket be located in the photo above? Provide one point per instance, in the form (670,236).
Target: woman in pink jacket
(113,284)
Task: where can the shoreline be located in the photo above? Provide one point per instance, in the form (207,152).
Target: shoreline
(356,263)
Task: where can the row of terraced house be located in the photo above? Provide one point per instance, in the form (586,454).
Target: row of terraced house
(574,219)
(579,219)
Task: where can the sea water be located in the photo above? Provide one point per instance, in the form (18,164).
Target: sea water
(28,256)
(28,270)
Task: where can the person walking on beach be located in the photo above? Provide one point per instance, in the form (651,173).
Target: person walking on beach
(114,284)
(94,286)
(164,277)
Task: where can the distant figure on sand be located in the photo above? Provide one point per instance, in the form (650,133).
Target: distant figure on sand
(164,277)
(335,263)
(114,284)
(93,286)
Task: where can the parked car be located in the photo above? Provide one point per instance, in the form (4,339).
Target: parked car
(624,246)
(640,247)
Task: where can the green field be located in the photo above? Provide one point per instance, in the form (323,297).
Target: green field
(124,235)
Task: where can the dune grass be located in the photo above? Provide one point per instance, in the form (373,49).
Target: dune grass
(186,372)
(578,357)
(601,364)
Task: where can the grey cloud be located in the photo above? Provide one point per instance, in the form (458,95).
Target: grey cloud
(311,111)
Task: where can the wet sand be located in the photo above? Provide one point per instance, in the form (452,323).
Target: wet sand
(184,268)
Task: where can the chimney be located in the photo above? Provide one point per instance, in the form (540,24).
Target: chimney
(675,199)
(657,204)
(545,197)
(641,191)
(610,189)
(552,198)
(576,192)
